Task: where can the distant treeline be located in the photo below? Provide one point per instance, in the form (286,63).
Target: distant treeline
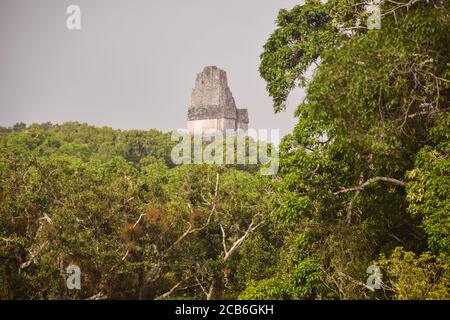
(113,203)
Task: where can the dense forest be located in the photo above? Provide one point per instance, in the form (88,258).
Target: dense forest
(364,181)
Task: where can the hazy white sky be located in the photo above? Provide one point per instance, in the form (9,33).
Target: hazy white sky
(133,64)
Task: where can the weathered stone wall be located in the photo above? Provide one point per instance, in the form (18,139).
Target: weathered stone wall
(211,88)
(213,105)
(210,112)
(202,126)
(242,119)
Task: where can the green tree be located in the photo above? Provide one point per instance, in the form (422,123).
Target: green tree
(365,132)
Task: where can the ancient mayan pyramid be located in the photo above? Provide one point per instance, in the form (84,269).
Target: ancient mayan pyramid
(213,105)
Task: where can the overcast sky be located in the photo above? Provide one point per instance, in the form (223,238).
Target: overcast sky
(133,63)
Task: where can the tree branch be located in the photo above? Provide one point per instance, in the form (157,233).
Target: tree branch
(227,253)
(98,296)
(139,220)
(372,181)
(171,291)
(34,255)
(208,221)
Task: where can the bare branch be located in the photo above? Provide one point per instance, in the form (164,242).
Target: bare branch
(98,296)
(208,221)
(372,181)
(351,204)
(188,231)
(399,5)
(46,218)
(34,255)
(356,281)
(211,290)
(171,291)
(7,240)
(227,253)
(139,220)
(128,250)
(201,286)
(396,238)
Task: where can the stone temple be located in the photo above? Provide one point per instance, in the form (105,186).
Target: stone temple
(213,106)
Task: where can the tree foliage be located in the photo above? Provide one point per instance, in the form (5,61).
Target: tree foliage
(112,203)
(366,168)
(363,180)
